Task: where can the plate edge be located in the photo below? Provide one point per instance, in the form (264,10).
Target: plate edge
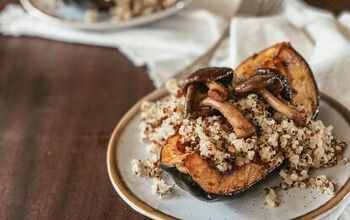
(115,177)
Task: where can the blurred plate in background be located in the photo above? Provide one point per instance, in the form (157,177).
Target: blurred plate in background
(73,16)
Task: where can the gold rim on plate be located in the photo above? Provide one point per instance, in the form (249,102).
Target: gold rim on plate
(145,209)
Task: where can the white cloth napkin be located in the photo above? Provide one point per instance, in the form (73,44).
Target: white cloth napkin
(321,38)
(164,47)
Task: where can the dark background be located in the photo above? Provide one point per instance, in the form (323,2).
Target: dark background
(59,103)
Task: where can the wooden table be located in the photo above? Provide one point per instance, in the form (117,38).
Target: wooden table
(59,103)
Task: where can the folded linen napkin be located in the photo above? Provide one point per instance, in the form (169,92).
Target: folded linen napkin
(165,47)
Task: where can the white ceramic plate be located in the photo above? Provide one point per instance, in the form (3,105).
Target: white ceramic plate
(125,145)
(72,16)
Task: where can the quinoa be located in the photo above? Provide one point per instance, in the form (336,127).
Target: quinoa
(125,10)
(322,184)
(278,139)
(150,169)
(161,188)
(271,198)
(128,9)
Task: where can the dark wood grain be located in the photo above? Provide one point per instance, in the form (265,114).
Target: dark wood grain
(58,106)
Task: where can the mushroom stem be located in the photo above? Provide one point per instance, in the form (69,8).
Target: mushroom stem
(241,126)
(281,107)
(197,85)
(217,91)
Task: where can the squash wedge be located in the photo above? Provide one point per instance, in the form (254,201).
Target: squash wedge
(291,64)
(193,172)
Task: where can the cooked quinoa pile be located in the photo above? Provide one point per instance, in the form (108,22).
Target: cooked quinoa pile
(278,140)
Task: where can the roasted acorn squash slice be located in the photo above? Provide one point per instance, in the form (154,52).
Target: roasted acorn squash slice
(193,173)
(291,64)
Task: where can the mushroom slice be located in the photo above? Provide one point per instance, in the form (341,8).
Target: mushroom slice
(255,82)
(241,126)
(279,84)
(268,78)
(210,74)
(192,102)
(284,109)
(197,85)
(205,93)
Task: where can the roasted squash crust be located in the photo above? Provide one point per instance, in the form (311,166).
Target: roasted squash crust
(208,178)
(214,182)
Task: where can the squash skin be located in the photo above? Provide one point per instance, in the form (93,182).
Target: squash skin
(185,182)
